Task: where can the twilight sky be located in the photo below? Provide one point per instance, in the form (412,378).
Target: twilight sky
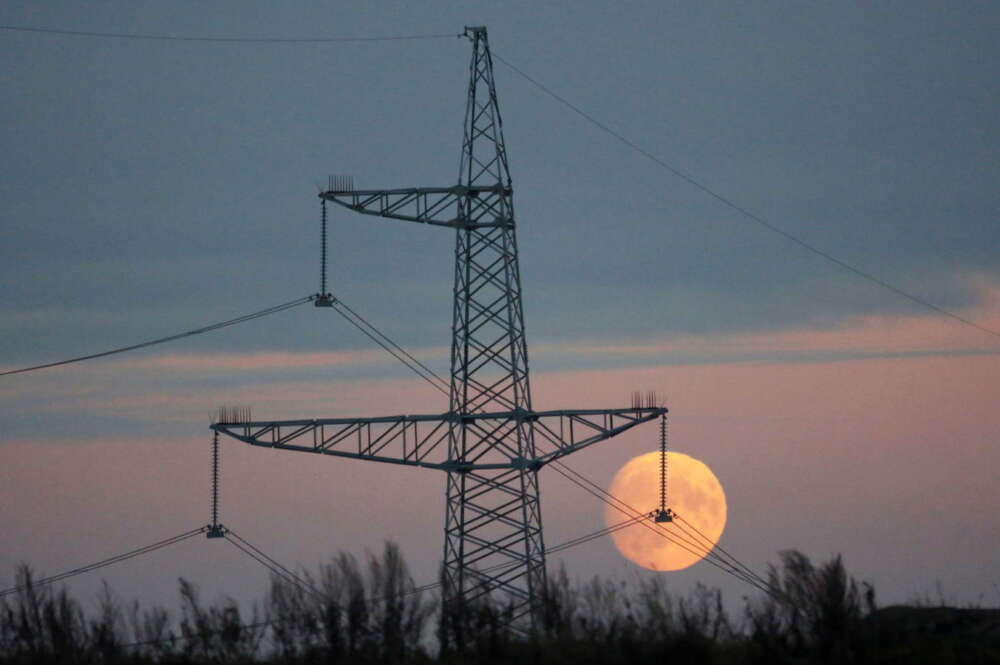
(151,187)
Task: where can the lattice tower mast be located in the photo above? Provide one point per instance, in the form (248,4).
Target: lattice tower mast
(486,442)
(490,513)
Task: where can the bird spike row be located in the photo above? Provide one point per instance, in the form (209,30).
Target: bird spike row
(231,415)
(649,400)
(341,183)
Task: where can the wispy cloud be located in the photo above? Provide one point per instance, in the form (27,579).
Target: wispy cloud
(187,387)
(868,335)
(262,360)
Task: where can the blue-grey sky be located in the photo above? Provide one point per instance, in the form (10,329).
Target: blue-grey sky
(149,187)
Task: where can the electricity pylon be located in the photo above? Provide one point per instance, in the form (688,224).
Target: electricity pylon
(490,443)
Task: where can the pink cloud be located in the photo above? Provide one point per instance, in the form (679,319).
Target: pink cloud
(868,456)
(876,334)
(265,360)
(269,400)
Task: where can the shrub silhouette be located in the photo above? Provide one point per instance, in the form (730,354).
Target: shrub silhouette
(817,612)
(371,612)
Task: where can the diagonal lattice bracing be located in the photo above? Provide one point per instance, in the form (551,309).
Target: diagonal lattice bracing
(424,440)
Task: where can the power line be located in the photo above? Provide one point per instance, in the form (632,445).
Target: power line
(686,542)
(403,356)
(276,569)
(692,549)
(622,506)
(377,336)
(268,562)
(106,562)
(730,203)
(220,39)
(170,338)
(289,576)
(738,569)
(391,347)
(284,573)
(339,303)
(683,540)
(685,525)
(606,531)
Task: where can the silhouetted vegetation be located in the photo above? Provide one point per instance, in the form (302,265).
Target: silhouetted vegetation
(371,612)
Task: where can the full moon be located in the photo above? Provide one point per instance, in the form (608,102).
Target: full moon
(693,493)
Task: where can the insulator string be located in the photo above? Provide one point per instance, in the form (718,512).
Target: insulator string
(322,260)
(215,479)
(170,338)
(663,462)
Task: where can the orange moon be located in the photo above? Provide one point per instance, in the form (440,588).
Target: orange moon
(693,492)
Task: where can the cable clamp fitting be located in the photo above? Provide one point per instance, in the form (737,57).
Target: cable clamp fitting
(663,516)
(324,300)
(215,531)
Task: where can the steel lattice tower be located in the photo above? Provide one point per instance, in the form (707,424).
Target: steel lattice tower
(486,441)
(492,514)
